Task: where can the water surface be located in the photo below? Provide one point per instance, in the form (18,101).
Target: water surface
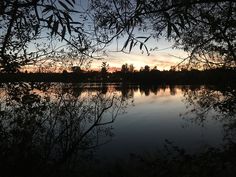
(43,124)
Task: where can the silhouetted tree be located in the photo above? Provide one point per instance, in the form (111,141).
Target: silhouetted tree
(172,68)
(38,30)
(76,69)
(124,68)
(48,134)
(146,68)
(131,68)
(205,28)
(104,68)
(154,68)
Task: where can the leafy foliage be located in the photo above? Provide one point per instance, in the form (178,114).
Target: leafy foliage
(54,129)
(205,28)
(104,68)
(32,31)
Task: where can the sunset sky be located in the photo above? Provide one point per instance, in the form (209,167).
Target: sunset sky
(164,57)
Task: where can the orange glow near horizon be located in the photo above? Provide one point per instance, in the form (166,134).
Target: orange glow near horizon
(163,60)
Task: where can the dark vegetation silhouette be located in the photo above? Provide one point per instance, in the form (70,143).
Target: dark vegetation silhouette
(44,31)
(217,76)
(41,32)
(204,28)
(51,131)
(104,69)
(176,162)
(220,99)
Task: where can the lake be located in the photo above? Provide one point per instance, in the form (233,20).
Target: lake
(47,123)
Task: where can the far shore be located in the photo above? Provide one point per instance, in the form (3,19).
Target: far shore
(214,76)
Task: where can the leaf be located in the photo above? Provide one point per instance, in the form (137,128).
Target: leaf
(126,43)
(68,27)
(63,5)
(67,16)
(47,8)
(141,46)
(166,15)
(186,18)
(176,30)
(80,40)
(168,29)
(68,23)
(182,21)
(71,10)
(55,27)
(63,32)
(131,45)
(141,37)
(50,20)
(60,19)
(146,39)
(147,50)
(118,28)
(110,25)
(36,29)
(76,23)
(71,4)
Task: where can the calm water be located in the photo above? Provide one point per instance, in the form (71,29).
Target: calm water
(57,121)
(155,117)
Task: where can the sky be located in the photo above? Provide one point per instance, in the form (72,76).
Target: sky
(164,57)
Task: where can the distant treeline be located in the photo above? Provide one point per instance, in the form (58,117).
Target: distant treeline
(213,76)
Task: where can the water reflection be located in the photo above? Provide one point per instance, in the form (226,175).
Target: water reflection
(204,103)
(48,129)
(45,129)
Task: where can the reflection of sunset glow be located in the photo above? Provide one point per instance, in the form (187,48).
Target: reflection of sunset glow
(161,94)
(69,91)
(90,90)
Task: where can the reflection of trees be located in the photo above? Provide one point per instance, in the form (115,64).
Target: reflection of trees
(145,89)
(172,90)
(217,103)
(203,103)
(127,91)
(51,131)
